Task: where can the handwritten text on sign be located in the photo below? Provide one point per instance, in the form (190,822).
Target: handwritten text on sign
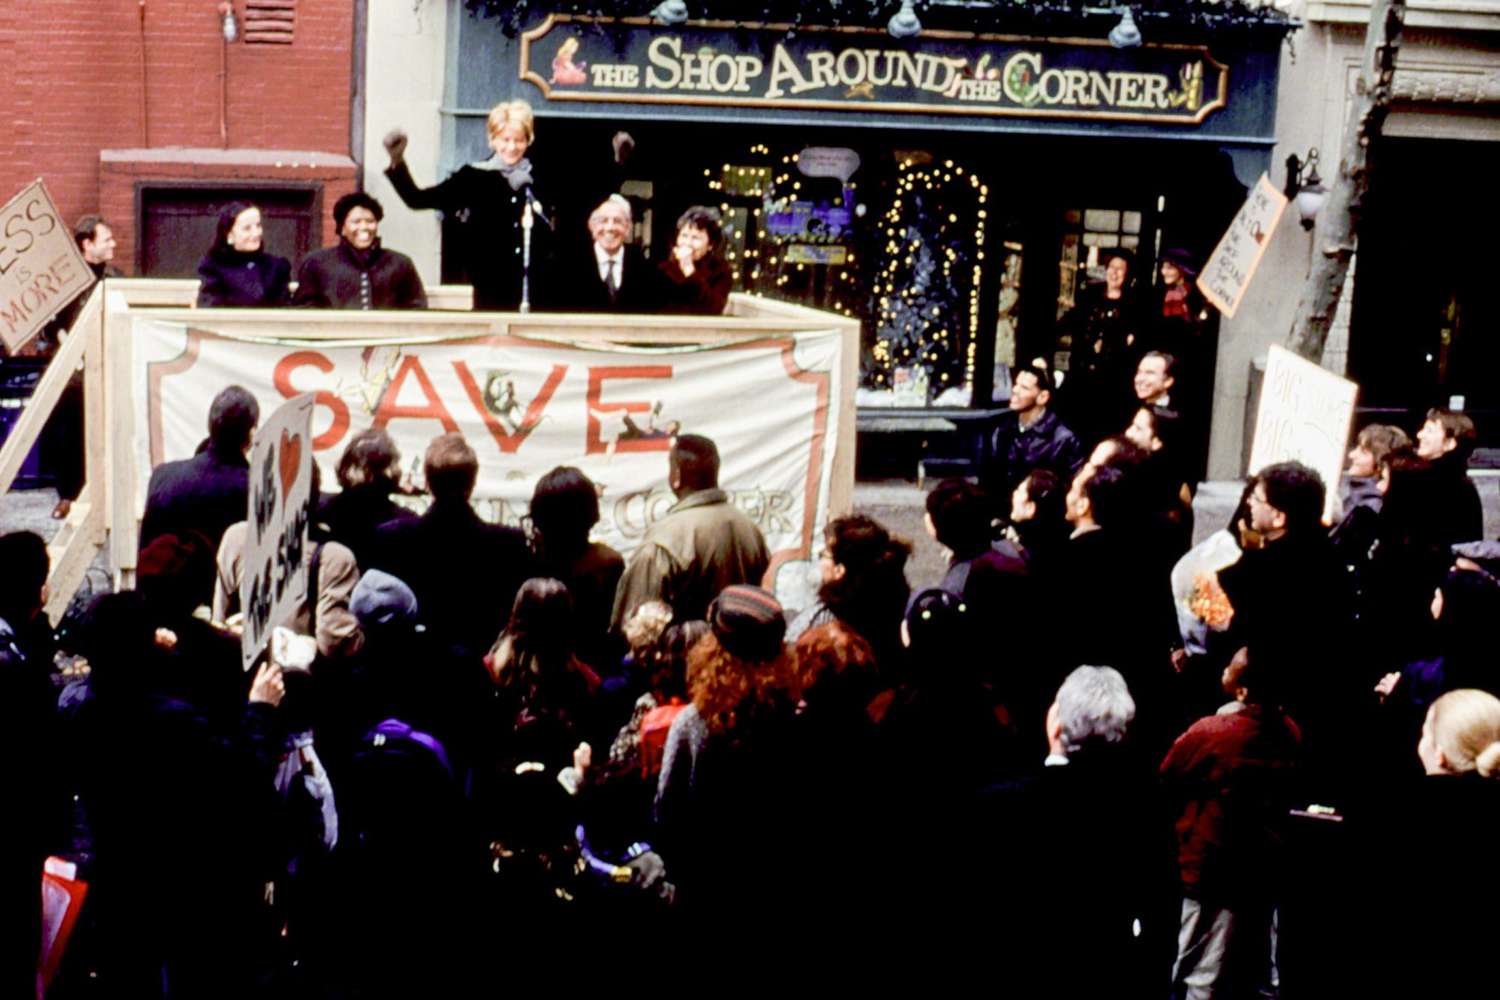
(1304,416)
(1227,274)
(274,583)
(41,269)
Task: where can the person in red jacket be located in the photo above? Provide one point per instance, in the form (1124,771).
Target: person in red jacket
(1229,780)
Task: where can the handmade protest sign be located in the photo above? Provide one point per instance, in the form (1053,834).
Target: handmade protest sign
(274,582)
(1304,416)
(1226,276)
(41,269)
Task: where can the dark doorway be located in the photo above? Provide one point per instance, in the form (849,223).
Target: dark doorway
(178,224)
(1426,321)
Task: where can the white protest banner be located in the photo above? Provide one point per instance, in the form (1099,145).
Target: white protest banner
(41,269)
(1227,274)
(527,406)
(1304,416)
(274,583)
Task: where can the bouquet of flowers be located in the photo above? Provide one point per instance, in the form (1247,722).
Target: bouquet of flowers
(1208,602)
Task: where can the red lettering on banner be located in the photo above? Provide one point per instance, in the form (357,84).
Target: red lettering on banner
(283,380)
(510,442)
(434,410)
(594,443)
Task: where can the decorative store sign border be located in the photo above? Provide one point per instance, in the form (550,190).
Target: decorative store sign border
(730,64)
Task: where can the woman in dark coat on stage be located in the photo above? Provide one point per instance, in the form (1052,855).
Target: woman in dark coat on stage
(488,200)
(698,278)
(237,271)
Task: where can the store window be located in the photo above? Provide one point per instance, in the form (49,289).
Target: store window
(1007,320)
(925,303)
(903,252)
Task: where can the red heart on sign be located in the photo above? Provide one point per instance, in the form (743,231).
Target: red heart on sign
(291,460)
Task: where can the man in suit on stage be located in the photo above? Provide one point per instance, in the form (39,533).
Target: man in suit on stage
(611,275)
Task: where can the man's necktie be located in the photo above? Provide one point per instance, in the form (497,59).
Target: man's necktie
(609,280)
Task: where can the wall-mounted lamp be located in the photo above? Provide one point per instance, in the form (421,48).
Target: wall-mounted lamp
(1304,184)
(1125,35)
(230,26)
(670,13)
(904,23)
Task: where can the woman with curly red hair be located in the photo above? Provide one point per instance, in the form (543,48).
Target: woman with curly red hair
(728,778)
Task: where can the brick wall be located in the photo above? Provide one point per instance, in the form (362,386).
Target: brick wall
(72,85)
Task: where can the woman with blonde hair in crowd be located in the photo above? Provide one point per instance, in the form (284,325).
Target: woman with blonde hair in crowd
(1462,735)
(1422,889)
(487,200)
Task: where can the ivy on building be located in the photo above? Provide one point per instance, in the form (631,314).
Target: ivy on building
(1159,20)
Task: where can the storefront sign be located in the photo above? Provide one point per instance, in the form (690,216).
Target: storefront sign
(1304,416)
(722,63)
(274,583)
(41,270)
(527,406)
(1226,276)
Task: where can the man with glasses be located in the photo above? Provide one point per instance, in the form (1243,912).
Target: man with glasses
(1291,597)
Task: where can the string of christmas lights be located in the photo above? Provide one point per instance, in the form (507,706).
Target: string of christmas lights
(926,293)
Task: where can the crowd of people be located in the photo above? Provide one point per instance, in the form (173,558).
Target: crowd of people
(506,749)
(1095,759)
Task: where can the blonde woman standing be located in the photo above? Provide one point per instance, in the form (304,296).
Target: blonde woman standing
(487,201)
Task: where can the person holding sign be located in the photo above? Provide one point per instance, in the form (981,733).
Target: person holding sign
(62,441)
(494,206)
(237,271)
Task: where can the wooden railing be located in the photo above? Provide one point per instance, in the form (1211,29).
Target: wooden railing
(107,512)
(84,533)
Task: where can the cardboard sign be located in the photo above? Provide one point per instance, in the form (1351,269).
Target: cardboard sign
(274,582)
(1304,416)
(41,270)
(1227,274)
(527,405)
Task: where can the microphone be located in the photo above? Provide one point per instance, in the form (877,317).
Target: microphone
(536,206)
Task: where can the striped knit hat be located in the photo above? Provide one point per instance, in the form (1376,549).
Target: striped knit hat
(748,622)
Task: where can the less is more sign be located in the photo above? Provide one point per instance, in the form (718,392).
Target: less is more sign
(41,270)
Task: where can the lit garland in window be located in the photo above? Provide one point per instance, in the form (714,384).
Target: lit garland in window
(926,290)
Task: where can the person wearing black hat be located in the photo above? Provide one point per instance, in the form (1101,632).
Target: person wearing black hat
(1178,328)
(728,783)
(1181,308)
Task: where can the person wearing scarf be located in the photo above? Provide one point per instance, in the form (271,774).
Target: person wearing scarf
(487,201)
(236,271)
(359,273)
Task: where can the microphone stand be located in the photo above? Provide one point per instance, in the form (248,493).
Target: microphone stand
(526,224)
